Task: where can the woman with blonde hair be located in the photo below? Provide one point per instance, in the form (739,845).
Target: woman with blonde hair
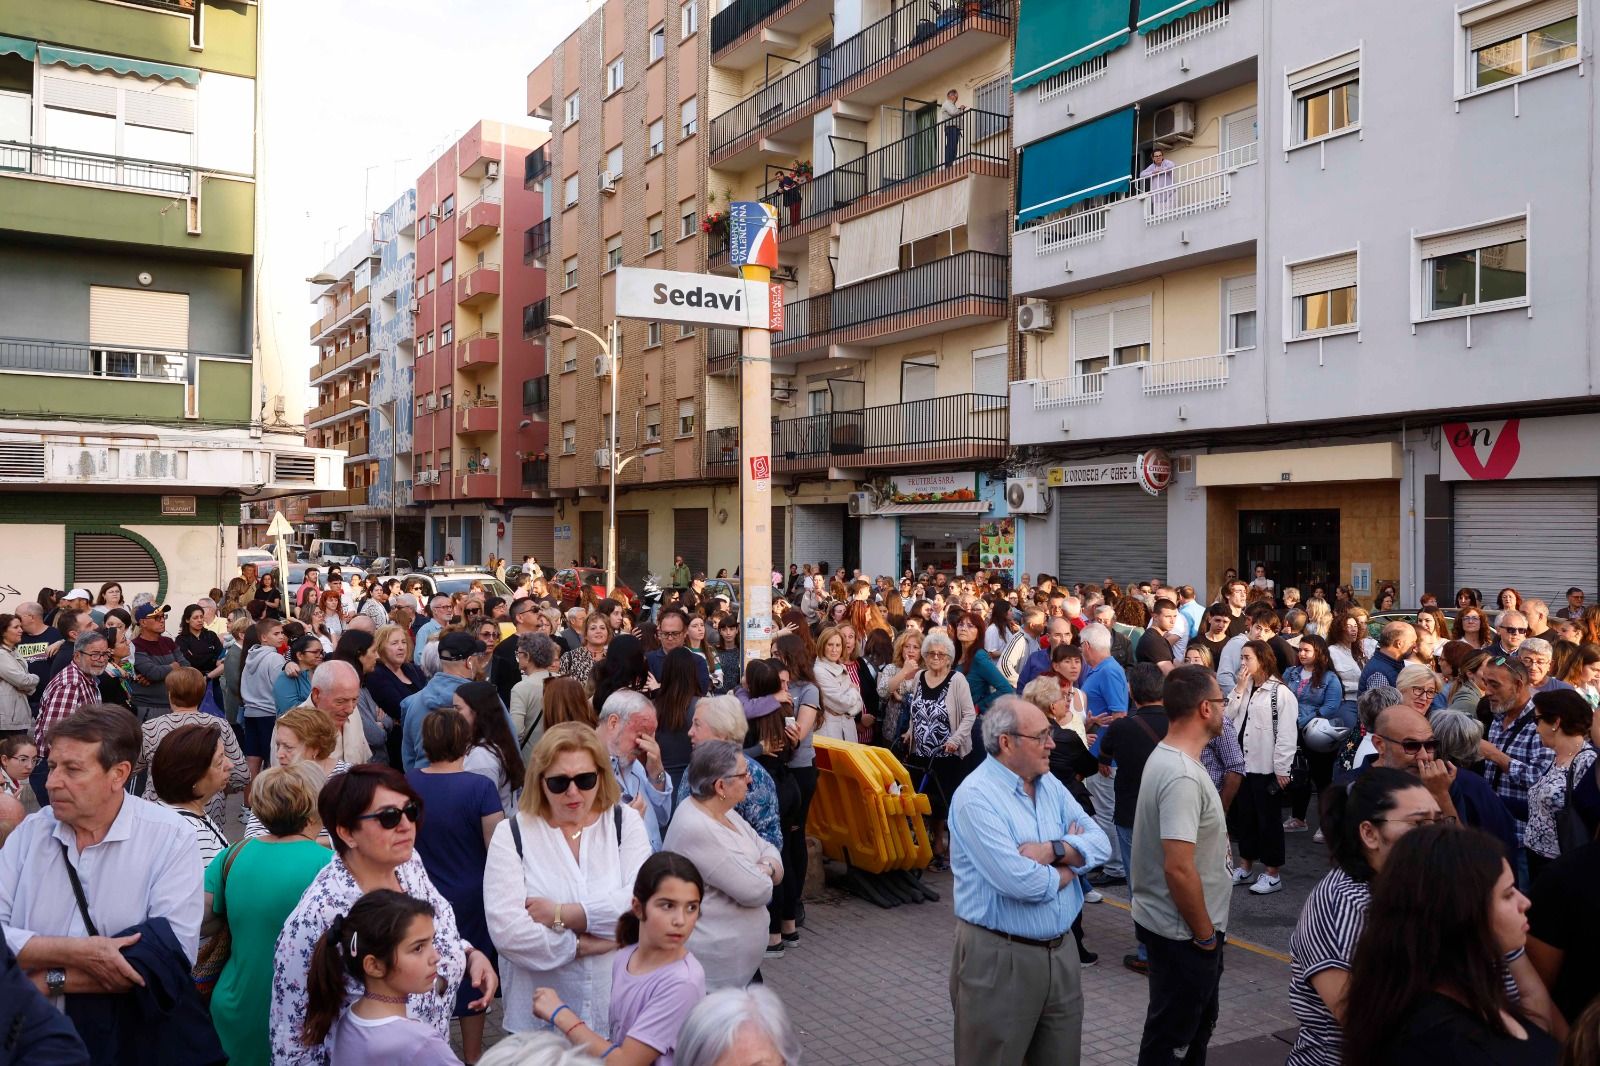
(841,697)
(560,872)
(1319,617)
(895,683)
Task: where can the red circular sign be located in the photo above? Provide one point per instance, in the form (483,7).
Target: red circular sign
(1154,470)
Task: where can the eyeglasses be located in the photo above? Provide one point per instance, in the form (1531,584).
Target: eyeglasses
(97,656)
(25,760)
(557,784)
(746,776)
(390,817)
(1411,747)
(1423,690)
(1040,738)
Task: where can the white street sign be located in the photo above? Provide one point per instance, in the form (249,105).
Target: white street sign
(280,526)
(698,299)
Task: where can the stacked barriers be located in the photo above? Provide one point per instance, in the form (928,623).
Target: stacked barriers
(867,814)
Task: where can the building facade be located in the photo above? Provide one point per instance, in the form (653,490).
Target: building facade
(134,417)
(1330,332)
(480,438)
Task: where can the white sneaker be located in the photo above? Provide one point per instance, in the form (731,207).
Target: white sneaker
(1317,837)
(1266,884)
(1093,896)
(1241,875)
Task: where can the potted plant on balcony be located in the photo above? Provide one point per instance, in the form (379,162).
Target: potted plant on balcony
(802,170)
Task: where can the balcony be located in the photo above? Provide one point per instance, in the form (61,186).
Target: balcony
(536,319)
(945,429)
(722,350)
(1201,211)
(889,57)
(321,325)
(476,486)
(355,446)
(535,167)
(480,220)
(536,396)
(535,474)
(360,299)
(959,290)
(482,416)
(92,168)
(49,378)
(477,350)
(722,452)
(536,243)
(479,285)
(357,349)
(1141,400)
(322,501)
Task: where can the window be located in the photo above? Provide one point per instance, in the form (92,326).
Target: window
(658,42)
(688,19)
(1239,313)
(658,137)
(1326,98)
(571,111)
(685,330)
(689,112)
(614,76)
(686,219)
(569,355)
(652,335)
(427,284)
(613,253)
(655,240)
(444,398)
(614,161)
(1324,295)
(652,422)
(447,333)
(1110,335)
(447,271)
(989,376)
(101,113)
(569,438)
(685,418)
(425,344)
(1506,41)
(1481,269)
(569,273)
(448,208)
(569,191)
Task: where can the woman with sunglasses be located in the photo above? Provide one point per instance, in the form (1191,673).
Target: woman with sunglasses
(372,814)
(740,869)
(940,719)
(1563,719)
(559,873)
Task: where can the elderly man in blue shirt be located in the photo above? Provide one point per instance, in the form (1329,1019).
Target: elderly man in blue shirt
(1019,844)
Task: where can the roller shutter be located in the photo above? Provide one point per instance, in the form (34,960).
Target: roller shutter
(690,529)
(1538,537)
(533,535)
(633,548)
(138,318)
(819,535)
(780,544)
(1116,531)
(98,557)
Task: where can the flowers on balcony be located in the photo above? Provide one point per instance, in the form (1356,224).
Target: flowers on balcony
(802,170)
(715,224)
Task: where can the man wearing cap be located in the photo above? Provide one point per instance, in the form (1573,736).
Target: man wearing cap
(154,656)
(458,663)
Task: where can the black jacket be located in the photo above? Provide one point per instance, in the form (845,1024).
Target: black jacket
(32,1032)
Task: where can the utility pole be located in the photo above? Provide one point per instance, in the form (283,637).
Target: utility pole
(753,240)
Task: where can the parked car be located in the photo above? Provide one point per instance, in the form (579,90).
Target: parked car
(570,582)
(1376,622)
(719,586)
(380,567)
(326,550)
(449,580)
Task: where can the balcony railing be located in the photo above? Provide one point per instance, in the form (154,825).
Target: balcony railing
(535,319)
(535,473)
(535,167)
(729,24)
(827,74)
(1199,373)
(722,450)
(1190,26)
(980,135)
(123,364)
(536,242)
(944,428)
(964,276)
(536,396)
(93,168)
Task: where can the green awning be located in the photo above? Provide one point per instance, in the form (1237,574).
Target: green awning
(1057,35)
(17,46)
(71,57)
(1154,14)
(1094,159)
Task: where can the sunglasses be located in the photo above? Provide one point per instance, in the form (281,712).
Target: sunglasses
(1411,747)
(557,784)
(390,817)
(1515,631)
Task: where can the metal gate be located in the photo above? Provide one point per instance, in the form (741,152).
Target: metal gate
(1116,531)
(819,535)
(633,548)
(1538,537)
(534,535)
(690,531)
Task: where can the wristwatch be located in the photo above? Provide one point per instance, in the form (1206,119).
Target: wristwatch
(55,981)
(1059,847)
(558,925)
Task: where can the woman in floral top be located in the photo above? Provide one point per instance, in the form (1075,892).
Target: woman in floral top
(579,662)
(371,813)
(1563,718)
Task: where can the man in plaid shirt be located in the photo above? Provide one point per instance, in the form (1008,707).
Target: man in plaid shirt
(1514,754)
(77,684)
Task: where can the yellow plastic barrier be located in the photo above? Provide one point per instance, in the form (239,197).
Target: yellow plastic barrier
(866,812)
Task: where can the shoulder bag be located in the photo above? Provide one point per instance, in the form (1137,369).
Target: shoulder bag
(214,953)
(1571,830)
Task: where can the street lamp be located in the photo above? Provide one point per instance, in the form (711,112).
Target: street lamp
(394,457)
(609,349)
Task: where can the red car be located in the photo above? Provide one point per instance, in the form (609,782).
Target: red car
(570,584)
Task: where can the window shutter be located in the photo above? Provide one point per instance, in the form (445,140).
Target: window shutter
(994,96)
(938,211)
(1467,240)
(1091,336)
(1493,23)
(78,95)
(1130,326)
(98,557)
(1241,295)
(989,371)
(135,318)
(160,110)
(1337,67)
(1240,129)
(869,246)
(1323,275)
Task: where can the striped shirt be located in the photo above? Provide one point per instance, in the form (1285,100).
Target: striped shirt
(1324,939)
(1530,760)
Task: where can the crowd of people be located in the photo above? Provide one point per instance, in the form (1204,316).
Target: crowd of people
(597,814)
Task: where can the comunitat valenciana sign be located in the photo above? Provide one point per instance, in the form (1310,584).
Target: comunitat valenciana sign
(697,299)
(1151,471)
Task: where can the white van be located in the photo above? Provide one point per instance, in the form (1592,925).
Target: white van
(333,551)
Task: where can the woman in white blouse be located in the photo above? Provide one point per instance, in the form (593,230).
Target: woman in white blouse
(740,868)
(841,697)
(559,873)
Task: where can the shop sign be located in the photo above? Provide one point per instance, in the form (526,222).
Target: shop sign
(1517,448)
(693,299)
(1154,470)
(997,544)
(1151,471)
(934,488)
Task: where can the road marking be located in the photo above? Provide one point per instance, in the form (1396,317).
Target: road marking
(1264,952)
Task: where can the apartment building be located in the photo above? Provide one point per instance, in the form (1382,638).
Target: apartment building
(1336,336)
(133,418)
(882,135)
(624,178)
(480,437)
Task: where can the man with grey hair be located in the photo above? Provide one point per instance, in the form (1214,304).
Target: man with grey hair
(627,728)
(1105,690)
(438,618)
(1538,614)
(1510,630)
(75,685)
(1019,845)
(336,691)
(735,1025)
(1537,654)
(538,652)
(209,617)
(1475,803)
(571,636)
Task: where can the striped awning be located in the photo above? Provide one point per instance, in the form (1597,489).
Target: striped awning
(952,507)
(71,57)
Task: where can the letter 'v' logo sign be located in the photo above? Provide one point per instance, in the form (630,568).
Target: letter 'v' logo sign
(1504,450)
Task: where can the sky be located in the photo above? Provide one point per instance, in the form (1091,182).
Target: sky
(358,97)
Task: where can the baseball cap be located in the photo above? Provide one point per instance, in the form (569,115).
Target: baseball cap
(77,594)
(459,647)
(145,610)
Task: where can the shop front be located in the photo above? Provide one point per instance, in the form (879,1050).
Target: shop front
(1111,518)
(955,521)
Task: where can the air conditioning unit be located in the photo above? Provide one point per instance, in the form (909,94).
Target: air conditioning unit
(1035,316)
(1174,124)
(859,504)
(431,403)
(1027,495)
(416,307)
(608,182)
(433,212)
(602,458)
(602,366)
(491,169)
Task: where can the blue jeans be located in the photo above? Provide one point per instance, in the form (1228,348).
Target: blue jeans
(1125,846)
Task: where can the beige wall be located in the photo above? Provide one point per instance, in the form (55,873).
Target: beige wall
(722,541)
(1209,113)
(884,125)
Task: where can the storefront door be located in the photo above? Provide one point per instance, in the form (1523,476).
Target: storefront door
(1300,549)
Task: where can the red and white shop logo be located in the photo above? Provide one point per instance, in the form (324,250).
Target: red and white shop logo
(760,467)
(1464,440)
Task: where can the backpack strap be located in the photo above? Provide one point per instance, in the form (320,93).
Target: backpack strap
(616,819)
(516,834)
